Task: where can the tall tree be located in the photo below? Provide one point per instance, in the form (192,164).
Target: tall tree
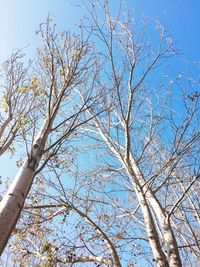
(126,191)
(16,101)
(144,132)
(64,62)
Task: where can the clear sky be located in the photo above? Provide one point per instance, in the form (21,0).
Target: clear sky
(20,18)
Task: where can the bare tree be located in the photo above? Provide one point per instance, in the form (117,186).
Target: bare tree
(143,131)
(78,238)
(64,62)
(16,101)
(134,169)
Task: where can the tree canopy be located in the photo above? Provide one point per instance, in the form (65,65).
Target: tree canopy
(107,145)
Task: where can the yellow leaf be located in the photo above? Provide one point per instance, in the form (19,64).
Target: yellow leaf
(40,93)
(22,89)
(46,60)
(23,120)
(33,83)
(4,105)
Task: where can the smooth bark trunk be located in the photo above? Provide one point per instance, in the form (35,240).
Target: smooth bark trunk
(13,201)
(170,241)
(135,174)
(159,256)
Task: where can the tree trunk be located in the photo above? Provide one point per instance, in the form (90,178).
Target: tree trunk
(12,203)
(153,237)
(170,241)
(114,260)
(159,256)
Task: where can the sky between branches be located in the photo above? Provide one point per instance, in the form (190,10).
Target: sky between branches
(19,19)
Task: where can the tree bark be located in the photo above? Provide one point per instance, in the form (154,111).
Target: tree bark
(146,197)
(114,261)
(13,201)
(159,256)
(170,241)
(153,237)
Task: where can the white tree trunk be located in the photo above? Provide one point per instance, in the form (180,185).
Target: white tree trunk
(170,241)
(13,201)
(159,256)
(152,234)
(138,179)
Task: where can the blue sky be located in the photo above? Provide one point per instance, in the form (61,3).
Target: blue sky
(19,19)
(181,17)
